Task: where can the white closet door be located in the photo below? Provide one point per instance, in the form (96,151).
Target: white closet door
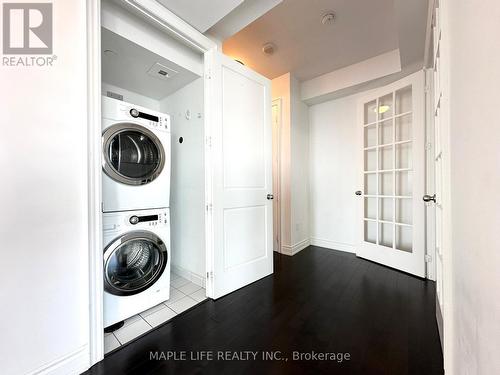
(242,158)
(392,129)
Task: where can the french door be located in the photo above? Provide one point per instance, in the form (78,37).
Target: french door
(392,129)
(242,188)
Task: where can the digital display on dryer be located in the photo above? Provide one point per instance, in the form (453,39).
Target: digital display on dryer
(135,113)
(149,117)
(142,219)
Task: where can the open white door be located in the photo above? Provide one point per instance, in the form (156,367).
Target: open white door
(392,129)
(241,138)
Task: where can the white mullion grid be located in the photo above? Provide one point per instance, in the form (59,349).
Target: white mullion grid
(370,124)
(394,171)
(389,144)
(390,170)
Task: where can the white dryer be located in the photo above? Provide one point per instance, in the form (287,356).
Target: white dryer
(136,262)
(136,157)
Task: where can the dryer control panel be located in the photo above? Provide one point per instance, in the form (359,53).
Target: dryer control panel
(118,110)
(149,220)
(152,119)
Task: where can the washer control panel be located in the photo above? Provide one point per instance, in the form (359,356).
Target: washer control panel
(141,219)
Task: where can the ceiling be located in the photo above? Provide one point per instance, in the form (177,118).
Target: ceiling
(305,47)
(128,65)
(201,14)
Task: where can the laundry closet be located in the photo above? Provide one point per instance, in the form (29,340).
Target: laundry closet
(153,183)
(186,172)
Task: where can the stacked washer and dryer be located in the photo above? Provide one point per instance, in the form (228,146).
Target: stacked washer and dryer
(136,219)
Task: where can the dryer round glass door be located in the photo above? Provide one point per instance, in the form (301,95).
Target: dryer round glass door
(133,155)
(134,262)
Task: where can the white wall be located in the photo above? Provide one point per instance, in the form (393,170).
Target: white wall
(334,177)
(187,199)
(294,165)
(281,90)
(299,176)
(130,96)
(44,290)
(475,184)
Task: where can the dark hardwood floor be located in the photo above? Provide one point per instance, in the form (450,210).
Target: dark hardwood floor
(318,300)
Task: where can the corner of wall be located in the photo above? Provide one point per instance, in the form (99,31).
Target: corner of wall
(294,165)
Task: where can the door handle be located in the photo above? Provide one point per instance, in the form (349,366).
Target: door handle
(429,198)
(358,192)
(270,196)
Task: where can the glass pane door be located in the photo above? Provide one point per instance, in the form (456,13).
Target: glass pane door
(388,170)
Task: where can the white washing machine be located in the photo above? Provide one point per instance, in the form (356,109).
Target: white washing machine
(136,262)
(136,157)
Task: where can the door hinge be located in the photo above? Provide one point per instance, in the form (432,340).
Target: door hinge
(428,259)
(209,207)
(208,141)
(210,275)
(428,146)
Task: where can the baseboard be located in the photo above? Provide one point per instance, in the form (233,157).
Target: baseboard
(333,245)
(72,363)
(189,275)
(294,249)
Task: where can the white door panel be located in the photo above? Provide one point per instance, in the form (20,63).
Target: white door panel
(244,131)
(392,129)
(242,153)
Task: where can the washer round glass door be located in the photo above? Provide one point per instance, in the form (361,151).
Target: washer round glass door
(134,262)
(133,155)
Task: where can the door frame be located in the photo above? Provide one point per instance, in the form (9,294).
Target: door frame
(438,63)
(174,27)
(277,189)
(430,183)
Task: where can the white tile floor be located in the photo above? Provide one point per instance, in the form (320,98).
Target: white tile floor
(183,295)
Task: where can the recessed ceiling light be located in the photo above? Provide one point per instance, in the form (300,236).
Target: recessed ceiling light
(328,18)
(268,48)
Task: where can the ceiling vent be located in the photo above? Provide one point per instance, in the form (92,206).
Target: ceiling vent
(161,72)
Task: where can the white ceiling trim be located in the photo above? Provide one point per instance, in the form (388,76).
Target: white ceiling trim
(340,79)
(159,16)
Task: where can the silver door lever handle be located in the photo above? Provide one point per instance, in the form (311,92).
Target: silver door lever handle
(429,198)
